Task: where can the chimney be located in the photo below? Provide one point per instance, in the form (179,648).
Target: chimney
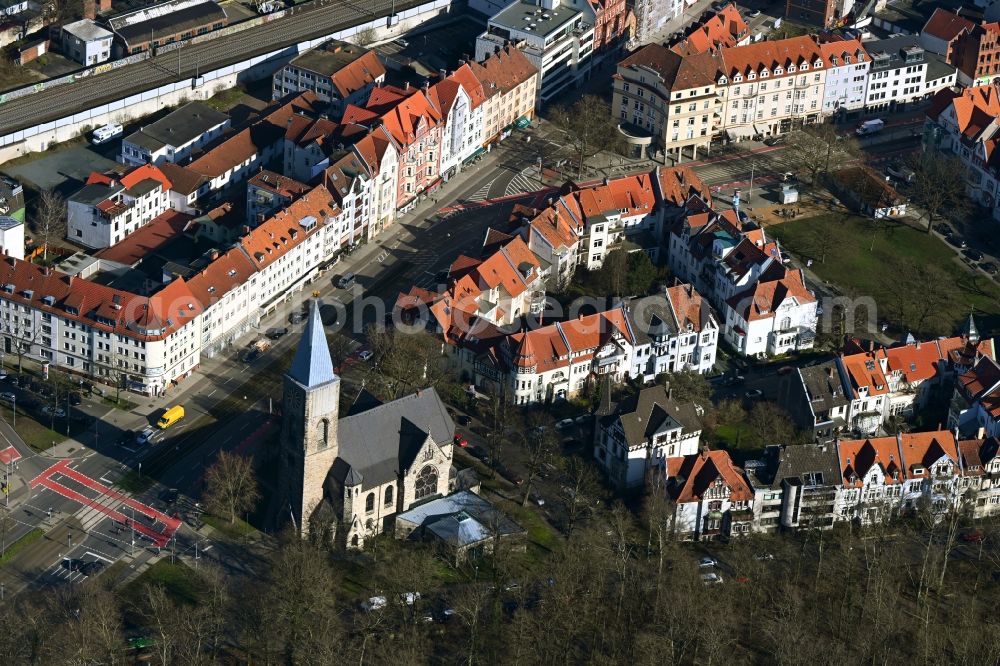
(981,433)
(918,344)
(871,345)
(90,9)
(442,74)
(406,86)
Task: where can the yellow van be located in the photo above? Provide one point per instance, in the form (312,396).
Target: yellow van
(170,417)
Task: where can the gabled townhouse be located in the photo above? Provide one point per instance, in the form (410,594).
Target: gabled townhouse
(352,186)
(867,388)
(338,73)
(972,48)
(510,87)
(980,464)
(416,125)
(711,496)
(884,476)
(976,402)
(310,142)
(846,77)
(817,400)
(175,137)
(233,160)
(675,331)
(110,207)
(965,125)
(88,328)
(795,486)
(268,192)
(582,225)
(776,315)
(462,102)
(225,283)
(380,154)
(636,436)
(721,30)
(185,187)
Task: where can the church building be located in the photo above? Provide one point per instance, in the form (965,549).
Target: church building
(349,476)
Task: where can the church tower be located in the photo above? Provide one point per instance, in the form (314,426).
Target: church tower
(309,423)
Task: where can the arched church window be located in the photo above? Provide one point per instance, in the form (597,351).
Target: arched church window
(427,481)
(370,502)
(354,541)
(388,496)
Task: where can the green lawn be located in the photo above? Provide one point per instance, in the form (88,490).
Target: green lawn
(180,582)
(133,482)
(238,530)
(38,436)
(904,270)
(19,545)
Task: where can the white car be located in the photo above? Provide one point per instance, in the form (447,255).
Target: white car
(365,355)
(565,424)
(58,412)
(707,562)
(763,557)
(754,14)
(373,604)
(146,435)
(711,578)
(409,598)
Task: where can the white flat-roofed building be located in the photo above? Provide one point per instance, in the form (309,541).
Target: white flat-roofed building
(175,136)
(555,38)
(86,42)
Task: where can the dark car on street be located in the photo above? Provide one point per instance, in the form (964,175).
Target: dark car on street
(956,240)
(92,568)
(943,229)
(973,254)
(990,267)
(275,333)
(73,564)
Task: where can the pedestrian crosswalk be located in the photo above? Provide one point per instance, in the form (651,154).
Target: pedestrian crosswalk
(521,183)
(483,193)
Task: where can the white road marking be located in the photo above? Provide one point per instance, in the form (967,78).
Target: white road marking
(212,393)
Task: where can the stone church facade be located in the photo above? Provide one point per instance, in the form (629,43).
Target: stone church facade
(349,476)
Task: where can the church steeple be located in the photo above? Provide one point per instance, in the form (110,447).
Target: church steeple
(969,331)
(312,365)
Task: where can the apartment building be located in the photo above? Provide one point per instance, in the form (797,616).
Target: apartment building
(380,153)
(902,72)
(846,77)
(712,498)
(965,125)
(771,87)
(817,400)
(795,487)
(636,436)
(141,342)
(666,102)
(174,137)
(972,48)
(775,315)
(554,36)
(86,42)
(338,73)
(721,30)
(462,102)
(109,208)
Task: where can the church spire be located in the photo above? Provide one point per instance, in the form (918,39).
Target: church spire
(312,365)
(970,331)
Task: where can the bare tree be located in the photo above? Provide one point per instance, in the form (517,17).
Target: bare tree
(366,37)
(939,185)
(589,126)
(231,486)
(496,418)
(340,348)
(403,362)
(50,219)
(578,493)
(818,148)
(539,445)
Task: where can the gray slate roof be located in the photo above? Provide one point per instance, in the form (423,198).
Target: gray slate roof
(801,464)
(824,389)
(312,365)
(650,411)
(178,127)
(382,442)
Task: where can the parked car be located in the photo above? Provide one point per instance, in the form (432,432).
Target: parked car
(145,435)
(275,333)
(460,440)
(510,475)
(251,355)
(169,496)
(990,267)
(72,564)
(944,229)
(295,318)
(707,562)
(75,399)
(8,396)
(901,172)
(973,254)
(754,13)
(92,568)
(365,355)
(57,412)
(775,140)
(973,536)
(464,420)
(754,394)
(763,557)
(565,424)
(374,604)
(711,578)
(956,240)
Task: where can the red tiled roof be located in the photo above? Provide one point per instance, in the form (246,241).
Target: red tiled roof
(782,53)
(722,30)
(865,370)
(145,172)
(96,305)
(147,238)
(503,71)
(946,25)
(922,449)
(694,475)
(858,456)
(284,231)
(764,298)
(364,71)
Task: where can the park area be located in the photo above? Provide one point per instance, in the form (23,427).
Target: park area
(919,283)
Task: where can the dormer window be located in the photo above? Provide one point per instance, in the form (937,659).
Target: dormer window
(737,79)
(764,73)
(751,76)
(818,64)
(778,71)
(803,67)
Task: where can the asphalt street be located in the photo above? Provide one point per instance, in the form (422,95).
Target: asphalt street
(305,22)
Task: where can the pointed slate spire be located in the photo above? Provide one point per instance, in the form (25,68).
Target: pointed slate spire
(312,365)
(970,331)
